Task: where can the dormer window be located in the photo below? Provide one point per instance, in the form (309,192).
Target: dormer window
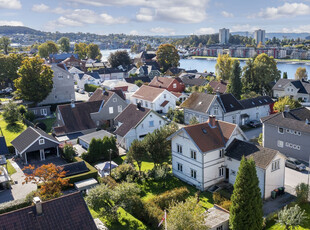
(41,142)
(253,103)
(260,101)
(231,106)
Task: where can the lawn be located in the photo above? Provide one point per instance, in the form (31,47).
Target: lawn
(48,122)
(10,132)
(272,225)
(11,169)
(147,164)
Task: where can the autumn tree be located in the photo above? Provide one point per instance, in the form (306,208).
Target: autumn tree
(120,57)
(279,106)
(148,47)
(35,81)
(64,44)
(50,178)
(81,49)
(4,44)
(301,73)
(135,48)
(137,152)
(167,56)
(234,86)
(224,67)
(93,51)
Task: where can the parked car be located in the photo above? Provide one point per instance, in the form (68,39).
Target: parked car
(294,164)
(255,123)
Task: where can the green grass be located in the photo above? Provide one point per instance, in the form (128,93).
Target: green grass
(11,169)
(147,164)
(272,225)
(10,132)
(48,122)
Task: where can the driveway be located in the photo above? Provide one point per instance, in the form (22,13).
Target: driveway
(253,133)
(294,177)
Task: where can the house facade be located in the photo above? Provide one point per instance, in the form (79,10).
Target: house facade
(288,132)
(87,78)
(297,89)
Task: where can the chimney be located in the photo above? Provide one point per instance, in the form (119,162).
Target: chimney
(139,105)
(72,103)
(38,204)
(212,121)
(286,108)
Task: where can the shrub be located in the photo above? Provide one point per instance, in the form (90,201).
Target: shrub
(226,204)
(108,181)
(11,113)
(13,205)
(165,199)
(152,214)
(90,87)
(29,115)
(30,196)
(22,109)
(302,192)
(131,222)
(158,173)
(41,125)
(121,172)
(217,198)
(68,152)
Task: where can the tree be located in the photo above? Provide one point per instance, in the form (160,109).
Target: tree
(134,48)
(284,75)
(139,83)
(81,49)
(68,152)
(291,217)
(302,192)
(193,121)
(64,44)
(50,177)
(93,51)
(48,48)
(4,43)
(279,106)
(43,50)
(11,113)
(301,73)
(148,47)
(249,83)
(9,65)
(249,95)
(246,208)
(120,57)
(35,81)
(224,67)
(137,151)
(167,56)
(186,216)
(235,86)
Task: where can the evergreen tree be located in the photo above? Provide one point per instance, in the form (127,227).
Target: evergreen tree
(284,75)
(234,86)
(246,208)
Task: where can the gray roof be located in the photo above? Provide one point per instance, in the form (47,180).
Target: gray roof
(105,166)
(262,156)
(302,86)
(3,147)
(257,101)
(294,119)
(26,138)
(99,134)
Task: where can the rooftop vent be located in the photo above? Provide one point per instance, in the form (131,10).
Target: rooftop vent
(260,101)
(38,204)
(253,103)
(204,130)
(199,103)
(231,106)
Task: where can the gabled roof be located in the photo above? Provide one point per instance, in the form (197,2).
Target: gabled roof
(176,70)
(77,118)
(229,102)
(98,134)
(295,119)
(209,138)
(148,93)
(218,86)
(162,82)
(3,147)
(198,102)
(257,101)
(101,95)
(63,56)
(94,75)
(130,118)
(30,135)
(262,156)
(190,80)
(302,86)
(66,212)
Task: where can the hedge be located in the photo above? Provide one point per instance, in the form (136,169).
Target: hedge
(14,205)
(152,214)
(90,87)
(92,173)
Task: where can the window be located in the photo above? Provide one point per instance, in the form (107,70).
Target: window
(221,153)
(275,165)
(219,227)
(280,144)
(98,123)
(34,111)
(55,96)
(193,154)
(174,85)
(110,110)
(151,123)
(165,96)
(233,172)
(291,90)
(257,115)
(221,171)
(60,77)
(280,130)
(146,104)
(137,101)
(193,174)
(179,148)
(180,167)
(41,142)
(119,109)
(159,122)
(216,110)
(114,99)
(43,112)
(234,119)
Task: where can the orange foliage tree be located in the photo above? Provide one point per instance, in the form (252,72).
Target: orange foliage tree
(50,178)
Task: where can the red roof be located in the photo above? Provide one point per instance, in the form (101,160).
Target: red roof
(218,86)
(161,82)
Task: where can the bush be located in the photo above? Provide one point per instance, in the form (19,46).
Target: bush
(158,173)
(226,204)
(129,221)
(13,205)
(152,214)
(22,109)
(90,87)
(29,115)
(165,199)
(121,172)
(41,125)
(11,113)
(302,192)
(218,198)
(108,181)
(68,152)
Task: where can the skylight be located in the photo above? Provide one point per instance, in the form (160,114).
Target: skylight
(204,130)
(231,106)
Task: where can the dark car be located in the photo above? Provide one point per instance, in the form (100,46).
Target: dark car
(294,164)
(254,123)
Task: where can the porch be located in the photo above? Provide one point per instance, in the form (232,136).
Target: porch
(40,154)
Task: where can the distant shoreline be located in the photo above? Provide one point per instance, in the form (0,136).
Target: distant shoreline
(288,61)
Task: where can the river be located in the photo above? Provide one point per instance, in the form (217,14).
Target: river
(209,65)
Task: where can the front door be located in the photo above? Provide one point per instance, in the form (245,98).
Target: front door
(227,173)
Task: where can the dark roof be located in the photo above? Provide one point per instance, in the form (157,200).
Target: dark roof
(257,101)
(133,79)
(63,56)
(77,118)
(190,80)
(66,212)
(81,75)
(100,95)
(295,119)
(262,156)
(130,117)
(3,147)
(94,75)
(146,55)
(75,168)
(26,138)
(109,70)
(176,70)
(229,102)
(119,92)
(208,138)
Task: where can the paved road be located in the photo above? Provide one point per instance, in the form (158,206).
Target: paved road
(253,133)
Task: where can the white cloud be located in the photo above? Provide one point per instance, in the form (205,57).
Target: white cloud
(245,27)
(162,31)
(10,4)
(11,23)
(145,15)
(40,8)
(227,14)
(206,30)
(134,32)
(287,10)
(300,29)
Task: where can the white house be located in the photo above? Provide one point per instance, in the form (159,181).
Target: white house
(297,89)
(87,78)
(135,122)
(198,151)
(270,165)
(157,99)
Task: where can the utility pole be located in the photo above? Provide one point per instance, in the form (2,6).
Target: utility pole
(110,151)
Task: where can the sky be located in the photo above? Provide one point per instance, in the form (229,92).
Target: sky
(157,17)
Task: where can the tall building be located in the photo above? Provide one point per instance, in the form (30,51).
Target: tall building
(259,36)
(223,36)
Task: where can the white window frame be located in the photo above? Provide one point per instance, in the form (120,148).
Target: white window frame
(221,171)
(193,174)
(119,108)
(193,154)
(146,104)
(41,141)
(174,85)
(179,148)
(280,144)
(280,131)
(221,153)
(111,110)
(43,112)
(233,119)
(216,110)
(275,165)
(180,167)
(151,122)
